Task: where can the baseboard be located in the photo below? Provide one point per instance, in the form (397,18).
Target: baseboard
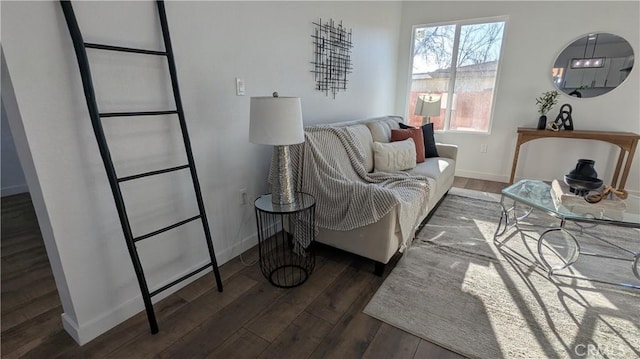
(633,201)
(482,176)
(230,253)
(71,327)
(11,190)
(84,333)
(463,192)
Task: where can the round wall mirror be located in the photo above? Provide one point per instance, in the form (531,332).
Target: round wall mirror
(593,65)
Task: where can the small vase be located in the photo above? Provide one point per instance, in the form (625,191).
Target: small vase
(542,122)
(585,168)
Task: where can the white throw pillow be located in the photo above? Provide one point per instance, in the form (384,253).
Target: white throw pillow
(394,156)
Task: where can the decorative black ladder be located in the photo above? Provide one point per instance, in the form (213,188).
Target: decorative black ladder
(83,62)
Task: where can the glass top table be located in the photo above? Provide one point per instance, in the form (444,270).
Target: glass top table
(541,196)
(538,195)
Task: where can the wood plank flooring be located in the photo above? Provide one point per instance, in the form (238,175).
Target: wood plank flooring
(251,319)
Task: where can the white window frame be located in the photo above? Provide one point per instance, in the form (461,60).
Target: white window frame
(454,58)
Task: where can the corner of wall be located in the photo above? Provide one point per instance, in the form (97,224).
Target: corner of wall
(37,197)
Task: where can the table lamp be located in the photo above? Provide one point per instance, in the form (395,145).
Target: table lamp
(277,121)
(427,105)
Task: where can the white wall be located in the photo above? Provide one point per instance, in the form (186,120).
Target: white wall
(268,44)
(535,34)
(12,177)
(35,186)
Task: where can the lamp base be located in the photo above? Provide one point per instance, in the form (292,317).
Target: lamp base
(282,187)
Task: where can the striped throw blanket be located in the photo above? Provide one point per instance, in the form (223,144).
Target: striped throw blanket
(330,166)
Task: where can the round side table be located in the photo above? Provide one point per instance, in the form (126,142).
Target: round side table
(286,236)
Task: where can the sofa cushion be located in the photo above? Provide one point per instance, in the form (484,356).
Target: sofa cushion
(394,156)
(441,169)
(416,135)
(393,123)
(381,129)
(430,149)
(362,133)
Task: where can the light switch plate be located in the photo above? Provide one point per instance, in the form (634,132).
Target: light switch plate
(239,87)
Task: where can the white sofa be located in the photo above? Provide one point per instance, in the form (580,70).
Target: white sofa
(380,240)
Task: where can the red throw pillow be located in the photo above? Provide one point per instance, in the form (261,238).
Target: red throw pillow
(416,135)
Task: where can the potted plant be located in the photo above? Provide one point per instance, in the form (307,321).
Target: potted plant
(545,103)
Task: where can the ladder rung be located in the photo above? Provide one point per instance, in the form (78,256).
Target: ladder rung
(152,173)
(166,228)
(139,113)
(189,275)
(124,49)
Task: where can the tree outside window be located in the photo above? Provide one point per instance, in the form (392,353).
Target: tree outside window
(457,62)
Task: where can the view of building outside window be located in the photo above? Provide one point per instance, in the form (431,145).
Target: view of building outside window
(456,63)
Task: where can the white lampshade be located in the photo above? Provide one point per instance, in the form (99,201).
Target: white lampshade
(428,105)
(276,121)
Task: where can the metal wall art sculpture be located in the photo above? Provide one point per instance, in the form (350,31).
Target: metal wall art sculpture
(332,56)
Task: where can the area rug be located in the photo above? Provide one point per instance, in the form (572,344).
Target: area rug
(457,288)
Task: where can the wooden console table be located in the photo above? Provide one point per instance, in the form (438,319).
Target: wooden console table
(627,141)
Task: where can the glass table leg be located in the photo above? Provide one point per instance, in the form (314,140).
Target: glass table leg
(567,260)
(503,223)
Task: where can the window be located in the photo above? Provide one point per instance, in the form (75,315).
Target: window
(454,66)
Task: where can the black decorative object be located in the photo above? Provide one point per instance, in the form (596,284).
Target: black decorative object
(584,168)
(575,93)
(80,47)
(542,122)
(583,178)
(564,120)
(332,56)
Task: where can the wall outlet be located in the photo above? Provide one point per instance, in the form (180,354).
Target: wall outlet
(244,197)
(483,148)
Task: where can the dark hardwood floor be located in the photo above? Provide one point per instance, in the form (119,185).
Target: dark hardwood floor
(251,319)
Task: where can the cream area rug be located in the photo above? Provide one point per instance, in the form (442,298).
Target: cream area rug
(457,288)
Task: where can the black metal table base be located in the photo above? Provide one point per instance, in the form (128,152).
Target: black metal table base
(288,276)
(286,235)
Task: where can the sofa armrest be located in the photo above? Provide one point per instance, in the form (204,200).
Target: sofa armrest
(447,150)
